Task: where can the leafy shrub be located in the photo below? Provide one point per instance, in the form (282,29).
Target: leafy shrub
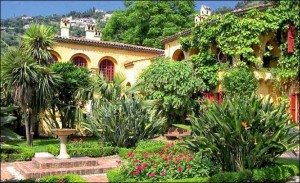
(122,123)
(123,152)
(12,153)
(240,80)
(90,152)
(168,163)
(243,133)
(68,178)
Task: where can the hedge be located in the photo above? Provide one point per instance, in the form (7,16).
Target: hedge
(90,152)
(11,153)
(278,173)
(67,178)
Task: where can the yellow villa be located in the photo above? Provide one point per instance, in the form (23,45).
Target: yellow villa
(107,57)
(112,57)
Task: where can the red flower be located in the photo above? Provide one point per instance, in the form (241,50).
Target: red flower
(139,168)
(130,155)
(144,165)
(189,166)
(190,158)
(134,173)
(136,161)
(74,139)
(163,173)
(177,158)
(152,174)
(179,169)
(146,154)
(118,161)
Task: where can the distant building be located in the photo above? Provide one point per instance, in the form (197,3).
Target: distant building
(106,17)
(205,11)
(26,18)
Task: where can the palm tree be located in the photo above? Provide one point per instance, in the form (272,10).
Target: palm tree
(30,84)
(37,42)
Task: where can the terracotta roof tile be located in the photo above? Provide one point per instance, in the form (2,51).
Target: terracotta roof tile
(174,36)
(108,44)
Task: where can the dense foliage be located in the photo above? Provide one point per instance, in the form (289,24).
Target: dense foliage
(235,37)
(175,87)
(205,67)
(147,22)
(66,106)
(243,133)
(239,80)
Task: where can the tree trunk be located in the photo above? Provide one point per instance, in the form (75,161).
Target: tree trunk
(27,127)
(32,123)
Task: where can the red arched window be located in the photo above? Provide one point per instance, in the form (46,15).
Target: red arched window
(107,69)
(53,59)
(79,61)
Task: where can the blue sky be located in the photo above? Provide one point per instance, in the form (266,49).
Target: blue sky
(10,9)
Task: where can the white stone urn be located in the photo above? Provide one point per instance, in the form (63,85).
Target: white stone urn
(62,135)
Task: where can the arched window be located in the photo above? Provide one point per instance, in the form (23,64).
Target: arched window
(107,69)
(53,59)
(79,61)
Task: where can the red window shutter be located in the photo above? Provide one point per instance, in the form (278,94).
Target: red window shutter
(80,62)
(293,106)
(107,69)
(291,38)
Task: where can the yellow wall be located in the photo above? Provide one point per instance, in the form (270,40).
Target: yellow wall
(95,54)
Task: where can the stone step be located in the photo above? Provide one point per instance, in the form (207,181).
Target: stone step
(46,163)
(29,170)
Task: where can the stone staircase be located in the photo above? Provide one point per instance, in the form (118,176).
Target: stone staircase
(40,167)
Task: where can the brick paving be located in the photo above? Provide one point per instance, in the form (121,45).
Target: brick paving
(40,167)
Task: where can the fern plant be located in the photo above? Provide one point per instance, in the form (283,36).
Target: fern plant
(243,132)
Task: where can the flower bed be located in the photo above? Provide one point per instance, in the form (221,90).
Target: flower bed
(169,162)
(277,173)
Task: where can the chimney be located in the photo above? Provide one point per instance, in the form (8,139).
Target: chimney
(98,35)
(90,30)
(64,27)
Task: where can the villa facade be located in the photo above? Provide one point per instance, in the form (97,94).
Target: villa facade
(113,57)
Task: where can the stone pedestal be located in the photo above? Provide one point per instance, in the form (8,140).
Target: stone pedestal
(62,135)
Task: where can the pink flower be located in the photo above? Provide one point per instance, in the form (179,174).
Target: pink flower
(190,158)
(177,158)
(136,161)
(144,165)
(152,174)
(179,169)
(74,139)
(163,173)
(118,161)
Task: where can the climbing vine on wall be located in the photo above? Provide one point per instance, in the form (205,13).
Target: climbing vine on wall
(236,35)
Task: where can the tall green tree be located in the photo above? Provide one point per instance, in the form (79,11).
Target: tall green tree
(147,22)
(31,85)
(175,86)
(37,42)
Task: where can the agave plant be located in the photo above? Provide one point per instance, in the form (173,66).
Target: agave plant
(122,123)
(243,133)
